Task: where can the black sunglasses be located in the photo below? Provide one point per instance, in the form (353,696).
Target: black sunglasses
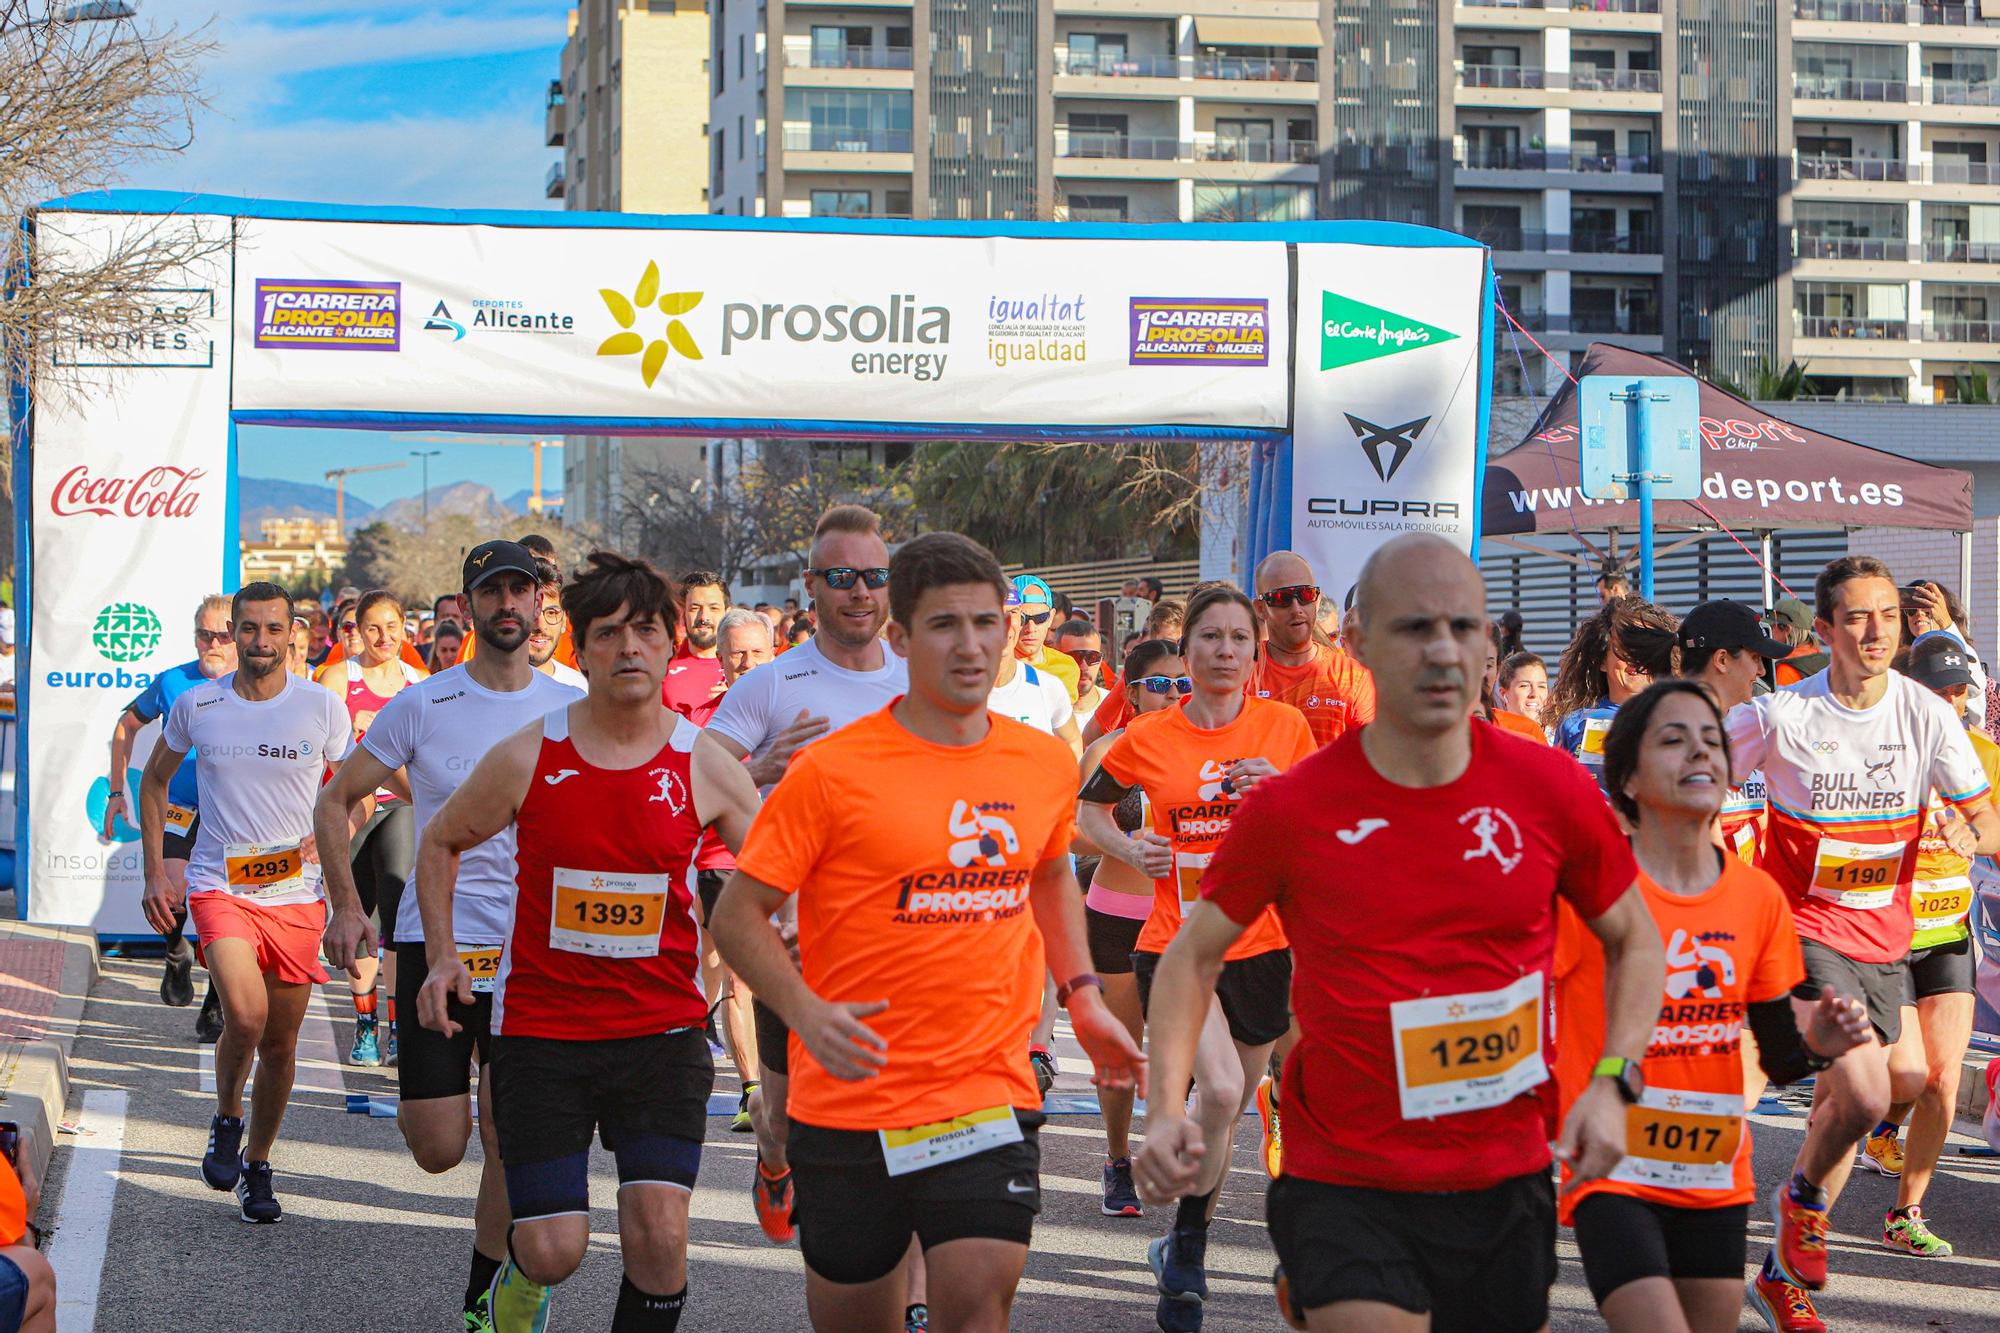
(841,577)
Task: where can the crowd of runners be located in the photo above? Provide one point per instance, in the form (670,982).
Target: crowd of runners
(1491,943)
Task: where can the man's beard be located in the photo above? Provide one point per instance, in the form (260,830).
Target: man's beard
(504,637)
(701,636)
(259,667)
(539,658)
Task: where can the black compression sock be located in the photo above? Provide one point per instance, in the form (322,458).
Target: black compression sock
(481,1278)
(640,1313)
(1192,1214)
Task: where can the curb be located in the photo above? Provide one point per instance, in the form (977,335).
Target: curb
(1972,1087)
(39,1034)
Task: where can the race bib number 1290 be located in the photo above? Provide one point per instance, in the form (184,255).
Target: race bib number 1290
(1466,1052)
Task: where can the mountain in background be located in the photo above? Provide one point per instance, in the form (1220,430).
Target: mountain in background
(469,498)
(267,497)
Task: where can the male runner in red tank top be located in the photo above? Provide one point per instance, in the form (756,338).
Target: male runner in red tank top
(598,1008)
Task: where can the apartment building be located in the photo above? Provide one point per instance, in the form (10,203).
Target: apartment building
(630,113)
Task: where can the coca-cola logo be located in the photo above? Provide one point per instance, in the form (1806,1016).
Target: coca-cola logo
(160,492)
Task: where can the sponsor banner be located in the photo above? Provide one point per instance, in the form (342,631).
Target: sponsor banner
(1386,433)
(130,482)
(760,325)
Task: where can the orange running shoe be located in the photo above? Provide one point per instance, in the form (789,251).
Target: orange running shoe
(1274,1138)
(772,1195)
(1786,1308)
(1800,1245)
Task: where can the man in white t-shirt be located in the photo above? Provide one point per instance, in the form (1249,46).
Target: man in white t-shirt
(1851,758)
(434,732)
(262,739)
(1028,694)
(546,634)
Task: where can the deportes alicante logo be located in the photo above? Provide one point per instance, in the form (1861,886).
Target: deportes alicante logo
(126,632)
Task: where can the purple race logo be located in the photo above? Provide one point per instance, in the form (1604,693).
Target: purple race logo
(1200,330)
(326,313)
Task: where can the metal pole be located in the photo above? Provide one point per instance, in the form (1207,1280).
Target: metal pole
(1965,568)
(1770,579)
(1642,465)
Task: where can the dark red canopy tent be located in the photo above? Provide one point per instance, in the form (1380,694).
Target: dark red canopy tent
(1758,473)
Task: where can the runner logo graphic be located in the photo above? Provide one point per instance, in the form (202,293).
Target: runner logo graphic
(982,833)
(1216,784)
(1492,827)
(1697,965)
(672,790)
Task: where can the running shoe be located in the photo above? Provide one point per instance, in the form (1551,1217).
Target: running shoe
(517,1303)
(365,1051)
(1786,1308)
(772,1196)
(177,982)
(1883,1155)
(222,1163)
(742,1123)
(208,1023)
(479,1319)
(917,1319)
(1800,1244)
(1046,1069)
(1289,1310)
(1121,1197)
(1905,1229)
(389,1049)
(254,1195)
(1178,1260)
(1274,1138)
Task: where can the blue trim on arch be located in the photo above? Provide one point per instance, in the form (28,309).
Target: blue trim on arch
(174,202)
(538,424)
(232,501)
(1491,286)
(21,409)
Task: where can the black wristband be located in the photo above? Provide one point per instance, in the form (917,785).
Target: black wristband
(1075,984)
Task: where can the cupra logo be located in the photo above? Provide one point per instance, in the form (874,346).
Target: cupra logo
(653,354)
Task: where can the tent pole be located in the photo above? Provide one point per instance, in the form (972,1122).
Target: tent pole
(1965,565)
(1764,558)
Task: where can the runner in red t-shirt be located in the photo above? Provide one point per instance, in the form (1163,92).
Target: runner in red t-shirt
(694,674)
(1416,866)
(598,1008)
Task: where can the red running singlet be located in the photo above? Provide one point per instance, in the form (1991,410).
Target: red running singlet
(603,944)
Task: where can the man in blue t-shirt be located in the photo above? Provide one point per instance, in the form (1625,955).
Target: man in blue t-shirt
(215,657)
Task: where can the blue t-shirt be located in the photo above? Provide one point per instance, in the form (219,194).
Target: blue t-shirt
(154,701)
(1582,734)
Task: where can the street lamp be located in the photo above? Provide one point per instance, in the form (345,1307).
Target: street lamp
(425,456)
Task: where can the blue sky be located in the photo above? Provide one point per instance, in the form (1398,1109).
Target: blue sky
(373,102)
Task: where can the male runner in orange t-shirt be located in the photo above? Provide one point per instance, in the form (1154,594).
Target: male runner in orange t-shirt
(1335,692)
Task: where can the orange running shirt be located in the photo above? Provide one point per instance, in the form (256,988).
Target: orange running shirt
(912,864)
(1687,1142)
(1520,724)
(1335,692)
(1180,767)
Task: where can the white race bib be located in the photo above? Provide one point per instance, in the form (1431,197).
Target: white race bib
(913,1149)
(264,870)
(1591,748)
(1682,1140)
(180,819)
(1467,1052)
(607,913)
(1858,875)
(1189,867)
(483,964)
(1937,903)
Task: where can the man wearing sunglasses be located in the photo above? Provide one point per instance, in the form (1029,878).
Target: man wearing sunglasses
(1037,612)
(214,657)
(1335,692)
(1079,641)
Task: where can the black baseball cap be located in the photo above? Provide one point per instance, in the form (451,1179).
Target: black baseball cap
(1938,662)
(485,560)
(1727,627)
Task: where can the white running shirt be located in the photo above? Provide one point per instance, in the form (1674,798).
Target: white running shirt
(1033,697)
(562,674)
(438,729)
(259,766)
(768,698)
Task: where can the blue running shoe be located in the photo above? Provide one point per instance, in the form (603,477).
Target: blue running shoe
(1178,1260)
(1121,1199)
(223,1162)
(389,1049)
(365,1051)
(254,1194)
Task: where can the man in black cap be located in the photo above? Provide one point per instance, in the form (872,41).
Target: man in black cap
(1724,646)
(1792,625)
(437,731)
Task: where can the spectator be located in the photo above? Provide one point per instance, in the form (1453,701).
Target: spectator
(1131,588)
(1152,589)
(1792,625)
(1612,584)
(1510,633)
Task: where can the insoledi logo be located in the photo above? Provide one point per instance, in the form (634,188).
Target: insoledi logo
(1353,331)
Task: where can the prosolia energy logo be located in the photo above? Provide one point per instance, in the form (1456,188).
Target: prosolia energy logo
(126,632)
(1354,331)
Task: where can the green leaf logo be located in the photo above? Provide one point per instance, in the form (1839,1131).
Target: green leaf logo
(625,309)
(126,632)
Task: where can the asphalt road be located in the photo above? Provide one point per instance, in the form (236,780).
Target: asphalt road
(371,1242)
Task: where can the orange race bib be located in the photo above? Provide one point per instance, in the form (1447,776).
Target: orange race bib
(608,913)
(1682,1140)
(1466,1052)
(1938,903)
(180,819)
(261,870)
(484,965)
(1595,729)
(1858,875)
(1189,867)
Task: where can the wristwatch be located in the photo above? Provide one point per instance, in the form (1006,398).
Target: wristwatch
(1076,983)
(1627,1074)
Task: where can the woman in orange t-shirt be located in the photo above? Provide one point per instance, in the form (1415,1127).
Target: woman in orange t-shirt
(1196,763)
(1663,1235)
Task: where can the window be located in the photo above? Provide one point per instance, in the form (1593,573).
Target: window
(1495,57)
(840,47)
(1499,225)
(841,204)
(832,120)
(740,138)
(742,46)
(659,6)
(896,203)
(1253,203)
(1096,52)
(1097,134)
(1097,208)
(1239,140)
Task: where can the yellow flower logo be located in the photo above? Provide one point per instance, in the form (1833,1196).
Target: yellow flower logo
(625,310)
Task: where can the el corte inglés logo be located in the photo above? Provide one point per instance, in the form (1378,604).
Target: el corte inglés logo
(1353,331)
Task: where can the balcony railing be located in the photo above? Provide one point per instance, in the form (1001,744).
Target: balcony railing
(1833,88)
(847,57)
(1619,163)
(1963,173)
(1575,6)
(1962,92)
(1953,15)
(1526,240)
(1553,159)
(1257,69)
(1614,321)
(1837,326)
(1937,330)
(1955,250)
(1253,69)
(1507,76)
(1887,248)
(1586,79)
(1121,67)
(826,139)
(1257,150)
(1586,242)
(1852,11)
(1120,147)
(1822,168)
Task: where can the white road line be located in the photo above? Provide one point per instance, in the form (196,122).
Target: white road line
(83,1219)
(319,1059)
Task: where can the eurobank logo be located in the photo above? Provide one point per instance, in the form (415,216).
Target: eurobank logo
(634,341)
(1353,331)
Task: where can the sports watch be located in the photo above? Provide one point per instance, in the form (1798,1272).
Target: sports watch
(1627,1074)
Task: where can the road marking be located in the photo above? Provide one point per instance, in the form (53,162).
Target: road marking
(319,1067)
(83,1218)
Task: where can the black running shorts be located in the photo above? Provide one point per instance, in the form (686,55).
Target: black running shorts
(430,1064)
(1112,940)
(1881,986)
(1256,993)
(1479,1261)
(549,1095)
(708,887)
(774,1039)
(1942,969)
(179,846)
(855,1220)
(1624,1239)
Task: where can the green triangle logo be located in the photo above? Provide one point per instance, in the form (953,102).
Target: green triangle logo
(1352,331)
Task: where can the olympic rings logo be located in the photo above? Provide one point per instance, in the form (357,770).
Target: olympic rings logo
(1825,747)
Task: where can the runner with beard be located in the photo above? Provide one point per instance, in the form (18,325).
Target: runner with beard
(214,657)
(694,676)
(435,733)
(262,740)
(551,629)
